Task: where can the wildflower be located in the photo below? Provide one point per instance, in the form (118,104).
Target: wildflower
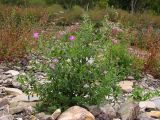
(36,35)
(114,41)
(72,38)
(116,30)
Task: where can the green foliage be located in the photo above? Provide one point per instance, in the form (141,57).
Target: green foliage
(82,71)
(140,94)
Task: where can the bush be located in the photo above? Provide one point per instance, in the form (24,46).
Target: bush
(85,67)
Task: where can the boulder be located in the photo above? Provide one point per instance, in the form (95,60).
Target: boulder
(76,113)
(129,110)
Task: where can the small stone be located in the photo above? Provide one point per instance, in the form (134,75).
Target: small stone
(56,114)
(76,113)
(12,72)
(130,78)
(126,86)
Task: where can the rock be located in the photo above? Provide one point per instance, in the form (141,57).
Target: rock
(22,107)
(12,72)
(126,86)
(156,101)
(130,78)
(43,116)
(76,113)
(29,110)
(109,111)
(155,114)
(3,102)
(129,110)
(56,114)
(144,116)
(98,114)
(16,110)
(146,105)
(7,117)
(13,91)
(4,110)
(26,98)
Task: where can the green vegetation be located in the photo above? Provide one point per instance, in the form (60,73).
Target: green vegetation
(84,67)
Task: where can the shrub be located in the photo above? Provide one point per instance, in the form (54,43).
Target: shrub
(85,67)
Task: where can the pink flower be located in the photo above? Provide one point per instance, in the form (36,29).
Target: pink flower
(114,41)
(116,30)
(36,35)
(72,38)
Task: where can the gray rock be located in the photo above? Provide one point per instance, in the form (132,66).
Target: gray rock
(108,110)
(129,110)
(98,114)
(147,105)
(156,101)
(7,117)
